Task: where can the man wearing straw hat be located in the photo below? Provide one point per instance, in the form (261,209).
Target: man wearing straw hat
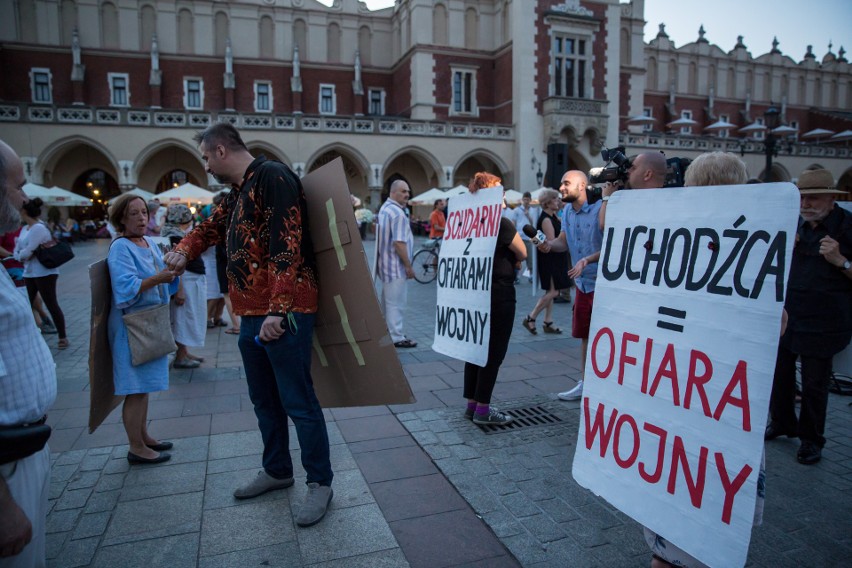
(819,307)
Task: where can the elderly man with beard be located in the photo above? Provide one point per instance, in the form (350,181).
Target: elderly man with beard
(819,308)
(27,389)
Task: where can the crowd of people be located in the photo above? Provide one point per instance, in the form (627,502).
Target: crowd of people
(253,255)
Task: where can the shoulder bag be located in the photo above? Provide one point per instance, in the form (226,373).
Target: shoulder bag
(53,253)
(149,331)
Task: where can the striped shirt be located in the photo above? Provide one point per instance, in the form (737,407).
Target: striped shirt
(393,226)
(27,370)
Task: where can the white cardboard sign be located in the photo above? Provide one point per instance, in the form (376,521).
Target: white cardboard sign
(682,348)
(463,311)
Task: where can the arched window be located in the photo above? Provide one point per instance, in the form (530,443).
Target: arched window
(767,86)
(732,82)
(802,91)
(147,27)
(68,15)
(221,33)
(471,22)
(365,45)
(439,25)
(651,77)
(267,38)
(186,33)
(300,38)
(711,78)
(692,88)
(785,86)
(625,46)
(750,83)
(109,25)
(333,40)
(817,93)
(507,33)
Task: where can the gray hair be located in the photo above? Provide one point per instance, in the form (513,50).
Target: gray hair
(716,168)
(548,194)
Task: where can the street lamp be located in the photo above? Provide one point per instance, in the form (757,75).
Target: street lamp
(539,176)
(772,120)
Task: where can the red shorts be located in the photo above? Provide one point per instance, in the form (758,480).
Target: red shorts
(582,314)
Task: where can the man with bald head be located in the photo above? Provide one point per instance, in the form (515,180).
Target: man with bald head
(27,389)
(395,248)
(582,234)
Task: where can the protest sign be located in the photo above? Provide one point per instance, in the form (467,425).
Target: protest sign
(683,342)
(463,312)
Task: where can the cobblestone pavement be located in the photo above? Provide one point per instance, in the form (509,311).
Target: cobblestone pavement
(415,484)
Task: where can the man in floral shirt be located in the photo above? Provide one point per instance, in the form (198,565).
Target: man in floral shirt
(272,281)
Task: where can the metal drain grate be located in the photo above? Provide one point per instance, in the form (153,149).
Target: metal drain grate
(526,417)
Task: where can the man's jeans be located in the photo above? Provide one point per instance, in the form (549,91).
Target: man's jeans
(280,385)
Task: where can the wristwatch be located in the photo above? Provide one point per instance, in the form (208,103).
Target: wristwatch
(846,265)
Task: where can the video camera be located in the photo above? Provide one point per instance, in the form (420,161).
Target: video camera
(617,164)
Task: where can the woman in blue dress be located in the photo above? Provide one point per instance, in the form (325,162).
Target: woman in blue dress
(139,280)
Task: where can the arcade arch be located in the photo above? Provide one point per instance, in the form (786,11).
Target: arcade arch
(162,165)
(776,173)
(479,160)
(418,168)
(64,161)
(355,166)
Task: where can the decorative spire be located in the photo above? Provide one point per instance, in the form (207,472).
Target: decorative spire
(810,53)
(701,33)
(662,32)
(775,45)
(841,55)
(829,47)
(155,54)
(297,72)
(229,57)
(358,65)
(75,47)
(740,44)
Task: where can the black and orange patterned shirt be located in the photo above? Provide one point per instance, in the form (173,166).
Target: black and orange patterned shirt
(264,223)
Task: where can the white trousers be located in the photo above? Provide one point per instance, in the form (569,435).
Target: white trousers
(29,483)
(394,299)
(189,321)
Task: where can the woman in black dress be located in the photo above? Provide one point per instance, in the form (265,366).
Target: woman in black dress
(479,381)
(552,266)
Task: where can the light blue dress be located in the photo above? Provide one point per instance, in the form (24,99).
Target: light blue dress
(129,264)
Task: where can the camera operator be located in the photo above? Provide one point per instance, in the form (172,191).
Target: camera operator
(647,171)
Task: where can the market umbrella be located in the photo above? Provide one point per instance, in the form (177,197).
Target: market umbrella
(186,193)
(457,190)
(428,197)
(682,122)
(56,196)
(641,119)
(720,125)
(841,136)
(146,195)
(785,130)
(817,133)
(513,197)
(753,128)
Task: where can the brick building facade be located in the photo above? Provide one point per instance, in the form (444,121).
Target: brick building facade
(432,91)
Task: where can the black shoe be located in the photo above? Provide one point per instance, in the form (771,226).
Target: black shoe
(493,418)
(468,413)
(161,446)
(809,453)
(133,458)
(774,430)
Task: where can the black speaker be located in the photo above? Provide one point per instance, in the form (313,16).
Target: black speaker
(557,164)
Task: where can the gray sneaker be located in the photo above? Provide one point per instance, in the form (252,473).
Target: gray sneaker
(315,505)
(261,484)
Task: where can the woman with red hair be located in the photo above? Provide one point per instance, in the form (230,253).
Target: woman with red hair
(479,381)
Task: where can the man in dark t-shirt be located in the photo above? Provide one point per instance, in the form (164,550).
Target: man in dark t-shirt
(819,308)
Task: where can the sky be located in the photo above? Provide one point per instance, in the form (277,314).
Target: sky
(795,23)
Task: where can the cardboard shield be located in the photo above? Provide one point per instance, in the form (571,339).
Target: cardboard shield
(101,386)
(354,361)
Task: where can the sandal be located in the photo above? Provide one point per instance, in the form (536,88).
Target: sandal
(529,325)
(233,331)
(405,343)
(185,364)
(550,328)
(63,343)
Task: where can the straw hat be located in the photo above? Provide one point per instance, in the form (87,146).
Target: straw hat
(812,182)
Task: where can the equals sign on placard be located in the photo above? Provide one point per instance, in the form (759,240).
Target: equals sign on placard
(670,312)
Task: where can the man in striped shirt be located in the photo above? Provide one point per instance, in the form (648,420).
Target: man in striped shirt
(395,246)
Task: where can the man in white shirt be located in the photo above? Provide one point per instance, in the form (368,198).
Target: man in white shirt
(395,249)
(27,389)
